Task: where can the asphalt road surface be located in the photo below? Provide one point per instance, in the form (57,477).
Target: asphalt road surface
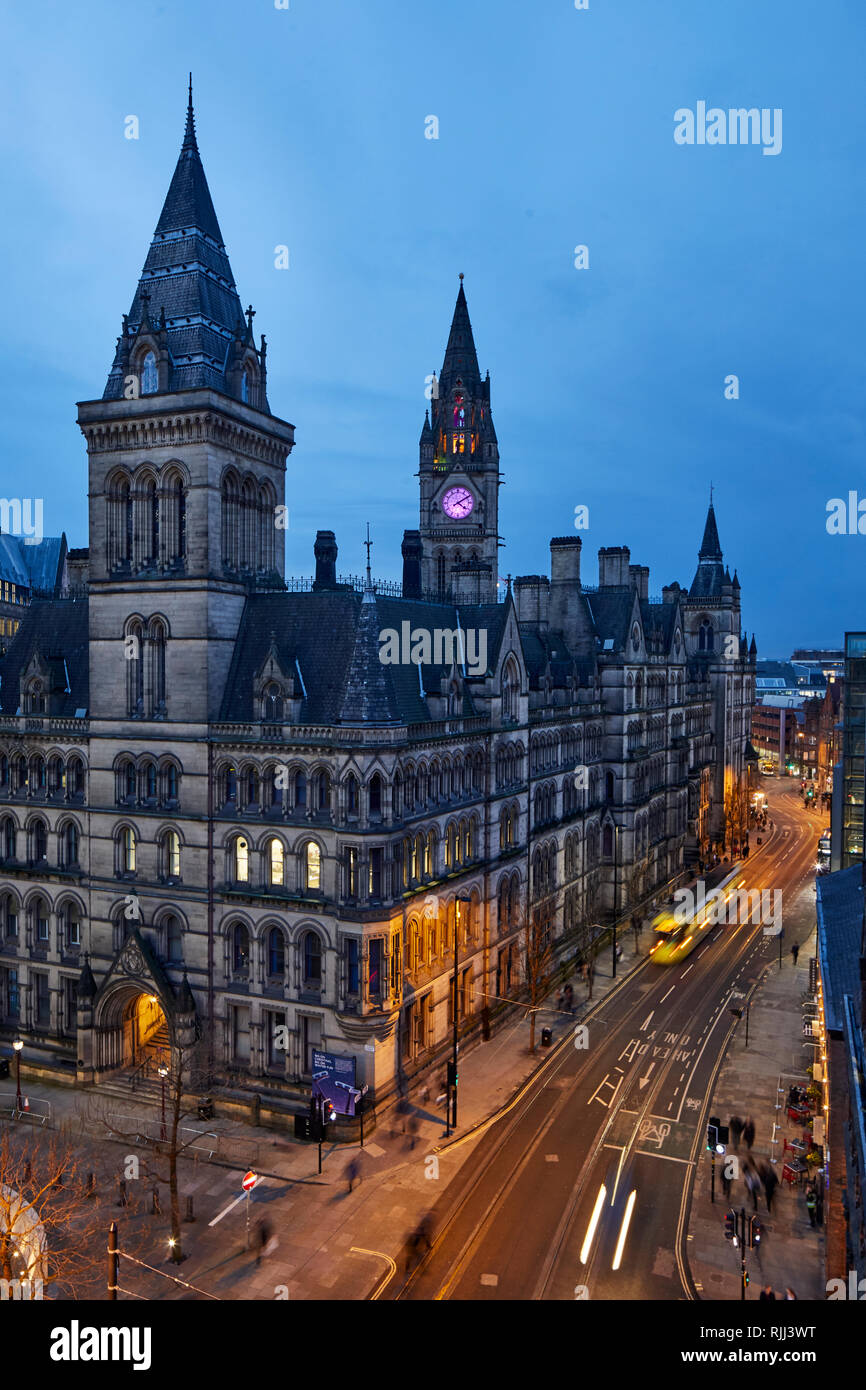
(582,1188)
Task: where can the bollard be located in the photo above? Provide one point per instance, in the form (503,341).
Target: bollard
(91,1185)
(123,1198)
(155,1209)
(190,1212)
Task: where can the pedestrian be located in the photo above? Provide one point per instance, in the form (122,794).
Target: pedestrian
(795,951)
(819,1204)
(353,1172)
(413,1130)
(749,1132)
(811,1202)
(767,1295)
(263,1238)
(559,1001)
(789,1294)
(618,951)
(568,998)
(771,1182)
(735,1125)
(726,1182)
(753,1183)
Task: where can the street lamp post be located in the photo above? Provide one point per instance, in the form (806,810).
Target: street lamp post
(452,1097)
(17,1047)
(163,1073)
(616,830)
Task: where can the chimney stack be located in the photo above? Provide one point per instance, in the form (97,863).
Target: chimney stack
(613,567)
(325,551)
(639,576)
(411,564)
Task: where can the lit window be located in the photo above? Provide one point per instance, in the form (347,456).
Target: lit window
(276,863)
(173,853)
(128,850)
(242,860)
(313,865)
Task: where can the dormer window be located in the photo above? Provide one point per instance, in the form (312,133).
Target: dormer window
(245,386)
(272,704)
(35,698)
(149,376)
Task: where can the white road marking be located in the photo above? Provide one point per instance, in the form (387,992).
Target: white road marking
(664,996)
(551,1158)
(491,1279)
(645,1023)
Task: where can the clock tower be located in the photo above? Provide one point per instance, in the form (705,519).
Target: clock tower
(459,474)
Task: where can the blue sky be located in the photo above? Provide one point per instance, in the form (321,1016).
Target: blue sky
(555,128)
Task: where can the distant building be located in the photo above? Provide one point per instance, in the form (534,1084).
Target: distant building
(847,816)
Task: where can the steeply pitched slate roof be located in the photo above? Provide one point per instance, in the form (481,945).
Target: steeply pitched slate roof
(32,566)
(188,276)
(611,611)
(661,618)
(334,635)
(840,925)
(710,573)
(461,359)
(58,630)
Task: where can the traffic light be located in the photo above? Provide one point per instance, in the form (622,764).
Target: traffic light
(712,1133)
(731,1225)
(452,1074)
(755,1230)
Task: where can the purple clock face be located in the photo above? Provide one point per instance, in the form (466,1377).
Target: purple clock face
(458,503)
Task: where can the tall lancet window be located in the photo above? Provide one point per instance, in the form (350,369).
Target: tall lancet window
(156,662)
(245,386)
(149,375)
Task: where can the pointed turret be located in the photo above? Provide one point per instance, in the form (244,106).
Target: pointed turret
(710,574)
(187,290)
(461,359)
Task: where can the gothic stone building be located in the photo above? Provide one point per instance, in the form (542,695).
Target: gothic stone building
(222,813)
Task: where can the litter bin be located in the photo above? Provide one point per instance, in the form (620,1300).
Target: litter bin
(546,1037)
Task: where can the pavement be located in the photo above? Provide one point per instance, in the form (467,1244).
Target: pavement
(754,1081)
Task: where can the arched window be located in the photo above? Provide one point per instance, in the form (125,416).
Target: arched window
(375,795)
(245,386)
(70,920)
(276,863)
(440,573)
(156,652)
(130,781)
(134,653)
(149,781)
(705,636)
(242,859)
(300,791)
(127,850)
(351,796)
(276,952)
(607,842)
(240,949)
(40,917)
(171,852)
(231,783)
(312,959)
(173,939)
(312,866)
(171,782)
(9,838)
(70,844)
(322,792)
(149,375)
(40,841)
(9,915)
(34,697)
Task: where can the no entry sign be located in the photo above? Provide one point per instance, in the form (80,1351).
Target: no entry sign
(250,1180)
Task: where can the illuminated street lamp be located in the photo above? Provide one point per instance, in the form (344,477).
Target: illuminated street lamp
(17,1047)
(163,1073)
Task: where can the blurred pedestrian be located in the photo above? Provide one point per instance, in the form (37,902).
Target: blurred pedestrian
(753,1183)
(726,1182)
(735,1125)
(789,1294)
(771,1182)
(766,1295)
(413,1130)
(795,951)
(749,1132)
(263,1239)
(353,1172)
(568,998)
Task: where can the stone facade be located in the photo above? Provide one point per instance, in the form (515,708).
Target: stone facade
(232,816)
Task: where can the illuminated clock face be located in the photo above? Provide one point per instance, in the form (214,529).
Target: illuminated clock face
(458,503)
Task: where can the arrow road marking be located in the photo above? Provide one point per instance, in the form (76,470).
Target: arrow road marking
(645,1079)
(645,1023)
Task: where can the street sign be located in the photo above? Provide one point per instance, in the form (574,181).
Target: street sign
(250,1180)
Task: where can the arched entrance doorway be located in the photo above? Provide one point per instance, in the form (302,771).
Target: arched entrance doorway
(131,1028)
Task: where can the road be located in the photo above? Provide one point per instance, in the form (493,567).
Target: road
(604,1138)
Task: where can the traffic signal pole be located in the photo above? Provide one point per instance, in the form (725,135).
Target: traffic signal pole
(743,1275)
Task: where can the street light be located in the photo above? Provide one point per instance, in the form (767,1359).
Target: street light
(163,1073)
(17,1047)
(451,1121)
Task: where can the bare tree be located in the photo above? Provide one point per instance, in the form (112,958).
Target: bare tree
(537,961)
(188,1076)
(50,1227)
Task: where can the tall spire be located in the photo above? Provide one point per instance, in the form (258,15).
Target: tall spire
(187,288)
(710,574)
(710,546)
(461,359)
(189,141)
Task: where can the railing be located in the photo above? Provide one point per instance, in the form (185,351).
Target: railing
(39,1111)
